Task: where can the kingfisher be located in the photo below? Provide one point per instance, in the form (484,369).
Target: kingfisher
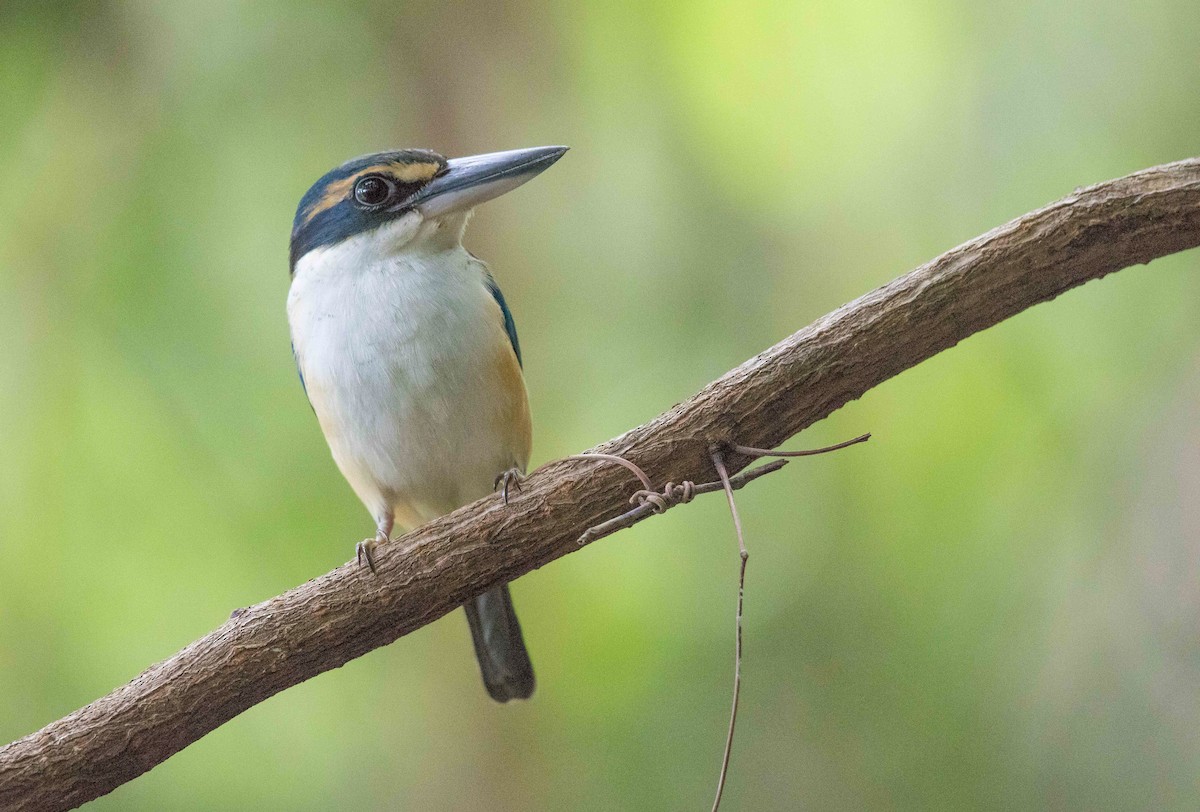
(408,353)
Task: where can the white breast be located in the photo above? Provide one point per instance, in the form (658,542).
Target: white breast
(399,359)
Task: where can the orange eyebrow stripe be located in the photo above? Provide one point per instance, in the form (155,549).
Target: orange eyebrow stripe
(415,173)
(403,172)
(334,194)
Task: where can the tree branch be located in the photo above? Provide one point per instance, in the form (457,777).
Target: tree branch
(343,614)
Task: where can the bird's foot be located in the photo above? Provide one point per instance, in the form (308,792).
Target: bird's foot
(364,550)
(512,478)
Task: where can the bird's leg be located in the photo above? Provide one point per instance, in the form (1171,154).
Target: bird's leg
(512,478)
(364,548)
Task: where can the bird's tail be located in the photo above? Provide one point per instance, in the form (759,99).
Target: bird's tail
(503,660)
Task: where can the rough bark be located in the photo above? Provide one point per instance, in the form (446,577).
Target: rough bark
(345,613)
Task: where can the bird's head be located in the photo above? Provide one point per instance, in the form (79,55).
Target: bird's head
(405,198)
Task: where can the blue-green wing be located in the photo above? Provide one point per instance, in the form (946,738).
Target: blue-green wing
(510,326)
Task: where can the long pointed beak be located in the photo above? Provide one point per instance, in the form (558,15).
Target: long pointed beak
(467,182)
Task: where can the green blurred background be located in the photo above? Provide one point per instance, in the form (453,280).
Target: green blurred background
(992,604)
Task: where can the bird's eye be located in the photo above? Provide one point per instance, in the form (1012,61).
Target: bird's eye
(373,190)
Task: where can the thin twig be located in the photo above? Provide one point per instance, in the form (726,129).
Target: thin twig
(646,509)
(719,462)
(638,472)
(750,451)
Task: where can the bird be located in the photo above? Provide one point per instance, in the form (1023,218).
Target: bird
(409,356)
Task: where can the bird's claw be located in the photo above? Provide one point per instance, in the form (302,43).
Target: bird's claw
(362,551)
(365,549)
(512,478)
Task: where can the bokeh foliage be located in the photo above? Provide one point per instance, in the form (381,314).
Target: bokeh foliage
(993,604)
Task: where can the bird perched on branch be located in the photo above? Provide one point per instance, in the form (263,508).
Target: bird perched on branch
(409,355)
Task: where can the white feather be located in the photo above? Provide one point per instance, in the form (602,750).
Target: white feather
(397,335)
